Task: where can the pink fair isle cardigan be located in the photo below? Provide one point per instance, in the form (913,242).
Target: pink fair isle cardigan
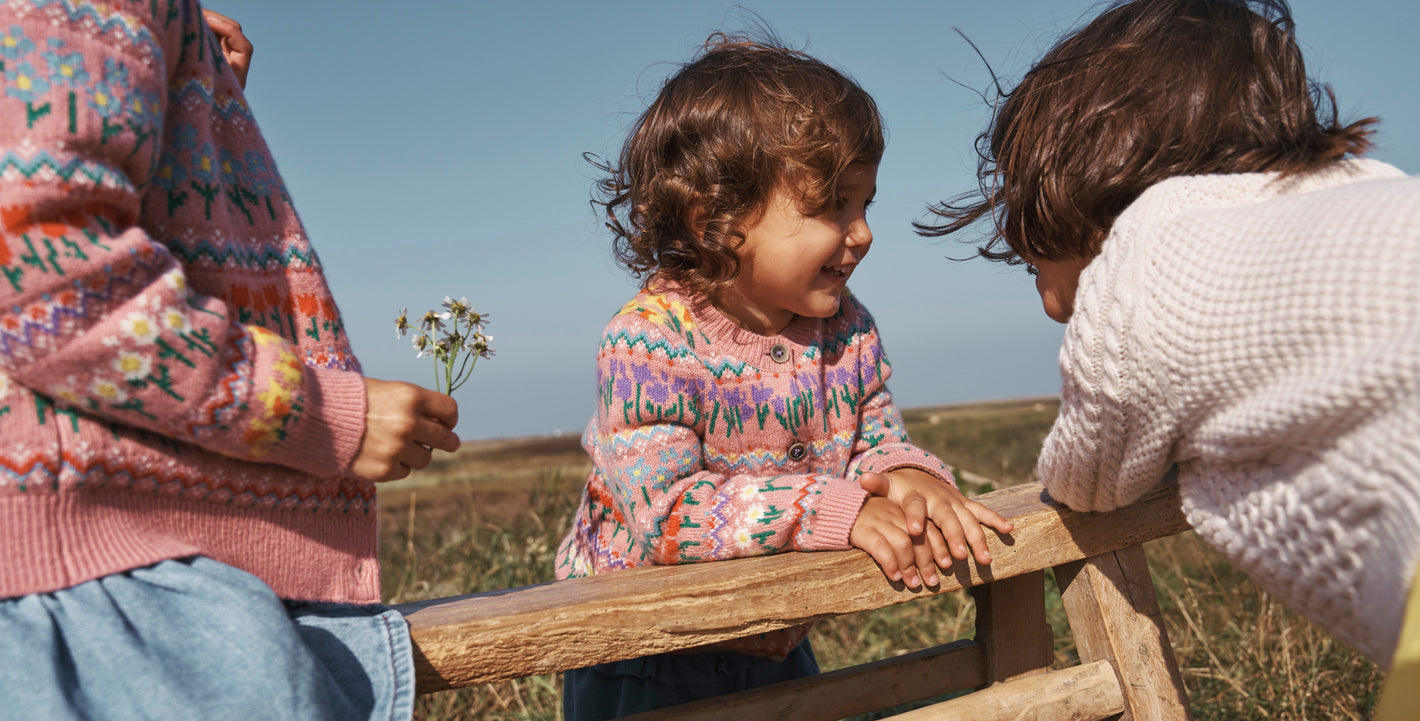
(174,375)
(711,442)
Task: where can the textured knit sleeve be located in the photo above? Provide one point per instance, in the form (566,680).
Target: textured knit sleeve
(1111,442)
(646,446)
(882,443)
(97,312)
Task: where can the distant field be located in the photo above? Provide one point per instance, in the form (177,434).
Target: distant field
(491,516)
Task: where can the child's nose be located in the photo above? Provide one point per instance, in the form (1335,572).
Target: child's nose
(859,233)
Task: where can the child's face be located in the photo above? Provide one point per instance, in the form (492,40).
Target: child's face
(794,264)
(1056,282)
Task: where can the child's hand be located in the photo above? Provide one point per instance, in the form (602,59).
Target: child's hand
(403,424)
(235,46)
(881,530)
(923,496)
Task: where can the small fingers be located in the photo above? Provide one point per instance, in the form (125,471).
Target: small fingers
(987,517)
(914,506)
(925,563)
(938,544)
(875,483)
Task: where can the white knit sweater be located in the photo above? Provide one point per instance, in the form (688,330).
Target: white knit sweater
(1263,334)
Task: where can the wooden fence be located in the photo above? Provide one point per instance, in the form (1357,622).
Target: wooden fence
(1127,668)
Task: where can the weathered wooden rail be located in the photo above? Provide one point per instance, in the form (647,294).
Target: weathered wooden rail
(1127,668)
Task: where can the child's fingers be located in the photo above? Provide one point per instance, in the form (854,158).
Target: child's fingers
(894,556)
(952,533)
(914,507)
(971,529)
(926,564)
(987,517)
(939,548)
(876,484)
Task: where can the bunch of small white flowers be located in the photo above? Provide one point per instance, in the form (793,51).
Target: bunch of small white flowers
(459,347)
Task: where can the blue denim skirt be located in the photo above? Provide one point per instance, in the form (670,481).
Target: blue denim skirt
(194,638)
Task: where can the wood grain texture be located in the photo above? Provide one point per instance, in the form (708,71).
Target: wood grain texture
(1088,692)
(845,692)
(1010,623)
(476,639)
(1114,616)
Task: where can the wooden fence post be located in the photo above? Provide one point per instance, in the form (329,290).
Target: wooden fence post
(1114,616)
(1010,622)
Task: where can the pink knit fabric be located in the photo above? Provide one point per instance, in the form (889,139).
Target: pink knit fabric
(174,375)
(711,442)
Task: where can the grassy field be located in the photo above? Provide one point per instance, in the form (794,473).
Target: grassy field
(491,517)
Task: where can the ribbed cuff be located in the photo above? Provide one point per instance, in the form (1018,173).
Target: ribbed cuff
(331,426)
(835,511)
(903,455)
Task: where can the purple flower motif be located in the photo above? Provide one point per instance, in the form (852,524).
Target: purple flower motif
(759,394)
(656,392)
(778,404)
(688,386)
(14,45)
(623,388)
(641,372)
(25,83)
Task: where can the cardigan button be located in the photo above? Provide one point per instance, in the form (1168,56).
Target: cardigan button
(798,451)
(779,353)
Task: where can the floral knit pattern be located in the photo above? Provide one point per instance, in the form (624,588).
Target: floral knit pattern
(168,344)
(711,442)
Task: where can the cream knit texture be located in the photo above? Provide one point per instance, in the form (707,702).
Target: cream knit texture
(1264,335)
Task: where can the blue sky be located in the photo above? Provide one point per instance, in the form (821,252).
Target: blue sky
(435,148)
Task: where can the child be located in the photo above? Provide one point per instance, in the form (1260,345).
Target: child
(188,449)
(742,406)
(1241,296)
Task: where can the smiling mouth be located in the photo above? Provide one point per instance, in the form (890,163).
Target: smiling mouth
(837,271)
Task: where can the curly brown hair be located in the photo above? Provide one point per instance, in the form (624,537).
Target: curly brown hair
(742,119)
(1148,90)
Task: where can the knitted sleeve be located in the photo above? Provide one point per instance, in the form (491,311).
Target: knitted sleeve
(96,312)
(1111,442)
(882,443)
(646,445)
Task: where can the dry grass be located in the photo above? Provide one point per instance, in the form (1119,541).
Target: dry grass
(492,516)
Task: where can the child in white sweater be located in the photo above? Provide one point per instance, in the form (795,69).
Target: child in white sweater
(1242,294)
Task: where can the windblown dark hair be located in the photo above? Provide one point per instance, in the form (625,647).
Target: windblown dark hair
(1148,90)
(742,119)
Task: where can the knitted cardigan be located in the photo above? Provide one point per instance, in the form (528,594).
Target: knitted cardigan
(174,375)
(1264,335)
(711,442)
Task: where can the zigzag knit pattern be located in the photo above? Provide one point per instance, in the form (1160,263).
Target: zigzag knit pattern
(1262,334)
(711,442)
(174,373)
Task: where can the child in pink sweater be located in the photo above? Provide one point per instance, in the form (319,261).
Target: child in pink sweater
(742,400)
(188,450)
